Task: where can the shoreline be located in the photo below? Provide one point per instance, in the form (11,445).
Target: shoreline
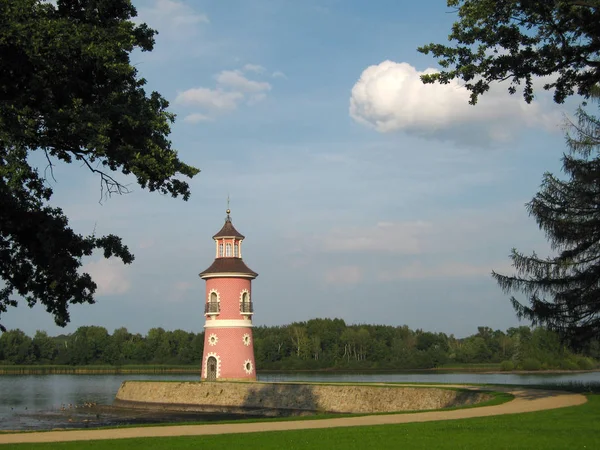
(525,401)
(165,370)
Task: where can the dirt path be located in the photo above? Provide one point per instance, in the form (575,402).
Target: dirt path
(526,400)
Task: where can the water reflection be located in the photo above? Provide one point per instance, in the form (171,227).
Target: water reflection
(26,399)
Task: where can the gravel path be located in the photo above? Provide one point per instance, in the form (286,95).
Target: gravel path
(526,400)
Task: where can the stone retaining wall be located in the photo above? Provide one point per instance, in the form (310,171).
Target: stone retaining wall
(288,398)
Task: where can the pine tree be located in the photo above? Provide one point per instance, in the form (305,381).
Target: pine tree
(564,291)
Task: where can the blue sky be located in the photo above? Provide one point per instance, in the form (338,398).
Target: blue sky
(362,193)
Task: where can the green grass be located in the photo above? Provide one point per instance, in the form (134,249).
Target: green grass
(566,428)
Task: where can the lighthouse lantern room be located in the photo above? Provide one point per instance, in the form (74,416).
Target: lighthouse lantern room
(228,344)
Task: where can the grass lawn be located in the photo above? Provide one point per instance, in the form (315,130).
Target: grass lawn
(566,428)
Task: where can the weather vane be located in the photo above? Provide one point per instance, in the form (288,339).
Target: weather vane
(228,210)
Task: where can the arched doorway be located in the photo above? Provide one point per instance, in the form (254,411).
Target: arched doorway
(211,369)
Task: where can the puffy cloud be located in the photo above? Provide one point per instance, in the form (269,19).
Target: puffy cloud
(278,74)
(344,275)
(463,232)
(390,97)
(196,118)
(174,19)
(178,23)
(173,12)
(236,80)
(256,68)
(212,99)
(233,87)
(110,275)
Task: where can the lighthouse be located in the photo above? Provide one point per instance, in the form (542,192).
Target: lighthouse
(228,343)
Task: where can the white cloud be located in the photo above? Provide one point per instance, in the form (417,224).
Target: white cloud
(212,99)
(178,24)
(196,118)
(231,90)
(344,275)
(463,231)
(110,275)
(173,12)
(173,19)
(237,81)
(256,68)
(278,74)
(390,97)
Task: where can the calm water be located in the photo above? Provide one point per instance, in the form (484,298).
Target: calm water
(37,401)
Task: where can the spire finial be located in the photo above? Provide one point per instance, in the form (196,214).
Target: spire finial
(228,210)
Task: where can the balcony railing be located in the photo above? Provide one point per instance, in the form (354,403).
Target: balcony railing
(246,308)
(212,308)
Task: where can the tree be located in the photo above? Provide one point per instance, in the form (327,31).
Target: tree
(44,348)
(563,290)
(88,344)
(182,346)
(299,339)
(68,93)
(113,353)
(16,347)
(498,40)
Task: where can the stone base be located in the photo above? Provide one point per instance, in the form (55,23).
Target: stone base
(275,399)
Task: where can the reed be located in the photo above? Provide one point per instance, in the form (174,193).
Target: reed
(96,369)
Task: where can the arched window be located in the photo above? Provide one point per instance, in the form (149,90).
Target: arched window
(213,306)
(245,303)
(236,252)
(228,250)
(220,249)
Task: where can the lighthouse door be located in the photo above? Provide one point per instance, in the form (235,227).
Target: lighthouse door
(211,372)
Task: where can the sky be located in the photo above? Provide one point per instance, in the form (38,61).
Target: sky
(363,194)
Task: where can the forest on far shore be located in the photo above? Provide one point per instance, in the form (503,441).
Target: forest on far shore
(310,345)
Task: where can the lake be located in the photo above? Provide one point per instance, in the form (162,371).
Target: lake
(51,401)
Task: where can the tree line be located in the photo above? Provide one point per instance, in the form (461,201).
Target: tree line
(314,344)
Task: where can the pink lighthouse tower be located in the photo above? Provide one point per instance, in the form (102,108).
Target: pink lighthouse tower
(228,344)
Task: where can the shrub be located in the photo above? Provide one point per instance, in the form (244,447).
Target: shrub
(585,363)
(567,364)
(507,365)
(530,364)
